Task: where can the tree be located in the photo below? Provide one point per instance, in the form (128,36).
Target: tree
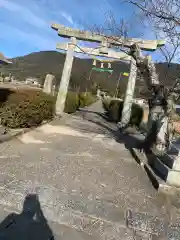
(167,10)
(163,16)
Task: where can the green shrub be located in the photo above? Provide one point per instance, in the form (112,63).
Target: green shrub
(86,99)
(4,94)
(72,102)
(115,112)
(136,115)
(26,108)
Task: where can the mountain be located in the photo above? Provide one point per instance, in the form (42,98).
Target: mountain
(38,64)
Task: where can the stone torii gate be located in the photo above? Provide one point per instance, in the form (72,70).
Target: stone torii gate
(105,50)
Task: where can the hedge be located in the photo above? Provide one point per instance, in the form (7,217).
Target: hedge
(26,108)
(72,102)
(29,107)
(86,99)
(114,112)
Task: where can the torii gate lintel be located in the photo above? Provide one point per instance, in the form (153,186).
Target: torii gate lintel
(147,45)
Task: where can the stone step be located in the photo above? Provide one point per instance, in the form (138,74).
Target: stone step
(145,161)
(62,232)
(165,190)
(159,168)
(171,160)
(13,224)
(139,156)
(171,176)
(151,228)
(65,219)
(147,224)
(156,181)
(16,224)
(174,150)
(14,197)
(95,218)
(97,230)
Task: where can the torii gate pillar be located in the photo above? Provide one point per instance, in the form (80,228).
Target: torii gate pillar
(128,101)
(63,88)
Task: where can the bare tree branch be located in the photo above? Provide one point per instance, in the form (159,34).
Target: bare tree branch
(162,9)
(163,17)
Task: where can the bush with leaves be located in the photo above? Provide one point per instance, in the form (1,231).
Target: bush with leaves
(86,99)
(136,115)
(26,108)
(115,108)
(72,102)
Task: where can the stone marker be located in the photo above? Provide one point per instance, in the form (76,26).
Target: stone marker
(12,79)
(53,90)
(98,94)
(48,84)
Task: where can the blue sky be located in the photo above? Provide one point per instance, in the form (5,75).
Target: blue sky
(25,25)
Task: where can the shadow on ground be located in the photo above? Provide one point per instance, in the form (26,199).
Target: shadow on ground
(29,224)
(4,94)
(101,120)
(131,139)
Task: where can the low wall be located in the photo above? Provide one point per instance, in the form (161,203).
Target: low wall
(18,86)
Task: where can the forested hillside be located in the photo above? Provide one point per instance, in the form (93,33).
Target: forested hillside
(38,64)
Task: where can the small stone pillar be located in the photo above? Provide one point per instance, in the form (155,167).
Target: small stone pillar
(54,90)
(48,84)
(98,93)
(12,79)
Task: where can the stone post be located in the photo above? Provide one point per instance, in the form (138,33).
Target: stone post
(54,90)
(64,84)
(128,101)
(98,93)
(48,84)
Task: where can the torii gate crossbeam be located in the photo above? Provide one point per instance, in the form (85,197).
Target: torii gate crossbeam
(103,52)
(148,45)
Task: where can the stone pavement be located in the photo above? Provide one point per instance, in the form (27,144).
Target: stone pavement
(88,185)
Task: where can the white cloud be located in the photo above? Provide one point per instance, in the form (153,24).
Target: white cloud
(9,5)
(26,14)
(67,17)
(33,39)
